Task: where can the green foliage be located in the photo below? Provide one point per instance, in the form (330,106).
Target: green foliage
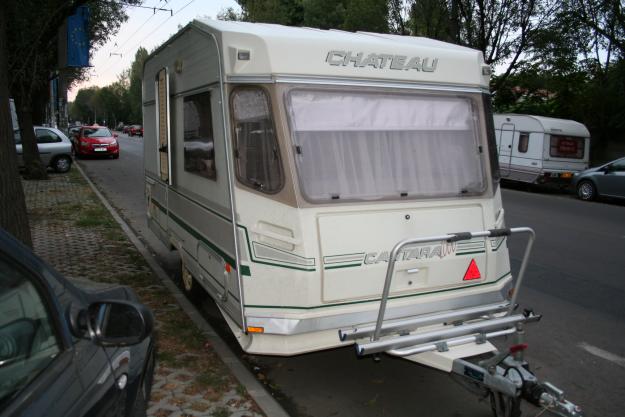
(324,14)
(369,15)
(115,103)
(366,15)
(284,12)
(134,90)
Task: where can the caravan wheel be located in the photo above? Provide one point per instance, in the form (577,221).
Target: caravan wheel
(189,284)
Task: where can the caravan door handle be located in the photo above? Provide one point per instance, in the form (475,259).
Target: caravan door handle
(276,236)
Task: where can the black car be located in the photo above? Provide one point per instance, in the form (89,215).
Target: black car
(69,348)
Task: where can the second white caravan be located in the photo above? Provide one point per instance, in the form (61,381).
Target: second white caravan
(329,188)
(539,150)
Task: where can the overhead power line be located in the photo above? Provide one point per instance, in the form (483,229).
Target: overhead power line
(117,50)
(106,70)
(154,8)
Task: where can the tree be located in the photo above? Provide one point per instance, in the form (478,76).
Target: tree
(117,102)
(284,12)
(366,15)
(502,29)
(135,80)
(605,17)
(30,39)
(324,14)
(12,204)
(33,54)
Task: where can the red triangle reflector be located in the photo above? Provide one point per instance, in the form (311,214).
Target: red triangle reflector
(473,272)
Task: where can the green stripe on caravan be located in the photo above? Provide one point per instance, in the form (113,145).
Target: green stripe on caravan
(245,270)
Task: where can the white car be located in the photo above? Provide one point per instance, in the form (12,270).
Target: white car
(55,149)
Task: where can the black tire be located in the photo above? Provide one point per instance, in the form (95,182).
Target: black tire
(586,190)
(61,164)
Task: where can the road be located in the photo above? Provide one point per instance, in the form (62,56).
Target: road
(576,280)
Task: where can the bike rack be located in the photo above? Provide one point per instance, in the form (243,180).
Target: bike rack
(478,323)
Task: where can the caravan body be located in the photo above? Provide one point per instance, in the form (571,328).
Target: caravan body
(284,163)
(538,149)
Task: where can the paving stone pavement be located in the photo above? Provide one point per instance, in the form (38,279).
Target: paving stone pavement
(86,253)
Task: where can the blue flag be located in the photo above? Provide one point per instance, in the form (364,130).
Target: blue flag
(77,38)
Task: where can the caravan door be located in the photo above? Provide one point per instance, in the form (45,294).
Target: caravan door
(506,141)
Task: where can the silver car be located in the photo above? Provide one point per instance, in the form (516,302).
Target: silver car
(604,181)
(55,148)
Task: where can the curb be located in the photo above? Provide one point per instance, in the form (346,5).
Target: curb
(263,399)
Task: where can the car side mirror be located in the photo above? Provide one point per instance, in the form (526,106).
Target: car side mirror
(115,135)
(111,323)
(607,168)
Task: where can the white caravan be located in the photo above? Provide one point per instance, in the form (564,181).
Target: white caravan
(540,150)
(285,165)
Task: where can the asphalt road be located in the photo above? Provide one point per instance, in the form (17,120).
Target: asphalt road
(576,280)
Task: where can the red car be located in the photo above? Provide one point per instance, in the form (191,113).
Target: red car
(136,130)
(96,140)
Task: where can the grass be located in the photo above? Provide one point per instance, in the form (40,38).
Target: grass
(95,216)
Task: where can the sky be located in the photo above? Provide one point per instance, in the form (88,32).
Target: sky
(147,29)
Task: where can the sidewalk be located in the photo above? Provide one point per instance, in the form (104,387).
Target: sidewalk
(75,234)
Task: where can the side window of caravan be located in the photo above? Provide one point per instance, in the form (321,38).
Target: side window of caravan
(524,140)
(566,147)
(199,153)
(256,148)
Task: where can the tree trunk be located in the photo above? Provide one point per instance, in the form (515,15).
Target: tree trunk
(34,168)
(13,217)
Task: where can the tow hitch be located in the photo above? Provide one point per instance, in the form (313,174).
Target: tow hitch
(506,379)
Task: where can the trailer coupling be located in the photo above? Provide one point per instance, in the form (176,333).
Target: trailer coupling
(506,379)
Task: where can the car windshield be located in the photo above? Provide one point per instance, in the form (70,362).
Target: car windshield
(385,145)
(96,132)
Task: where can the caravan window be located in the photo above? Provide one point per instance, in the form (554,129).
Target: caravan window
(566,147)
(199,155)
(524,140)
(370,146)
(256,148)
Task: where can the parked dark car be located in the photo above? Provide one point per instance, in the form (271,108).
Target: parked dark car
(69,348)
(607,180)
(126,129)
(96,140)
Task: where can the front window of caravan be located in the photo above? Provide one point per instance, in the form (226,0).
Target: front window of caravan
(373,146)
(257,157)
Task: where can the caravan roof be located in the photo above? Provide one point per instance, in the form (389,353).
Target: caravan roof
(254,49)
(532,123)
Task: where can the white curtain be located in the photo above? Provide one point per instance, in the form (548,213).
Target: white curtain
(368,146)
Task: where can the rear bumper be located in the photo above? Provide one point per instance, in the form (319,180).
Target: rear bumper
(556,177)
(291,332)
